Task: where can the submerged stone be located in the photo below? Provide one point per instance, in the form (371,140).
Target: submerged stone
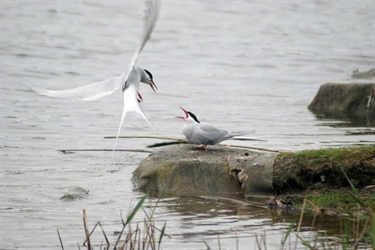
(75,193)
(218,170)
(363,74)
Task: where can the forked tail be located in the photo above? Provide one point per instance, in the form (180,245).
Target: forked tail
(130,105)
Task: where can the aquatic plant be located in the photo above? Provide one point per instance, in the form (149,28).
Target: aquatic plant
(358,232)
(143,236)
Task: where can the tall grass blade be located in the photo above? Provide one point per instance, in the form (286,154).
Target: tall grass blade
(305,243)
(161,234)
(61,244)
(347,178)
(287,234)
(104,234)
(372,232)
(135,210)
(208,247)
(86,229)
(218,239)
(355,194)
(345,238)
(300,221)
(129,219)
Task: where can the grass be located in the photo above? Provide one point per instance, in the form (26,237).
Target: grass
(359,232)
(143,236)
(334,155)
(337,202)
(320,170)
(356,233)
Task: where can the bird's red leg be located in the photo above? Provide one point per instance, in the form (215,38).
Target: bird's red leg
(203,147)
(139,98)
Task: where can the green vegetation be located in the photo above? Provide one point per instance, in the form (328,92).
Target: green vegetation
(334,155)
(144,236)
(319,171)
(338,202)
(358,232)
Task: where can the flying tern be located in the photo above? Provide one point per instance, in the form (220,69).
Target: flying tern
(128,81)
(197,132)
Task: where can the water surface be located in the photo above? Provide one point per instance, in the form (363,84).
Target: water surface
(241,66)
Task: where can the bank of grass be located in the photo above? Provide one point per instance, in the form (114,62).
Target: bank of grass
(319,171)
(333,181)
(335,155)
(326,177)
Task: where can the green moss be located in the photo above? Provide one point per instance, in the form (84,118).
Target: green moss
(334,154)
(322,170)
(329,199)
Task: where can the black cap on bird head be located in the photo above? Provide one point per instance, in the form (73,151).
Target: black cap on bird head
(152,84)
(187,114)
(149,74)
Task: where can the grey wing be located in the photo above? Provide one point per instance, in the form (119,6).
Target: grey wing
(210,135)
(151,15)
(89,92)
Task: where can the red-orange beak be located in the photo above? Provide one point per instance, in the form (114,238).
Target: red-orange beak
(153,85)
(186,114)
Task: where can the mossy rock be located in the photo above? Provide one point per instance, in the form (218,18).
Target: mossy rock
(323,170)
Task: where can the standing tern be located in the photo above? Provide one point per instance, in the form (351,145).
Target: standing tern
(128,81)
(197,132)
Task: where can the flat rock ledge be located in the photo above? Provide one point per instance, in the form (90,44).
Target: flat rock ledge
(353,100)
(218,171)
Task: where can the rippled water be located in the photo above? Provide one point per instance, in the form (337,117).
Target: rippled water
(244,65)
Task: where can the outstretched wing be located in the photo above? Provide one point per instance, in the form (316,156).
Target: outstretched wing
(89,92)
(150,18)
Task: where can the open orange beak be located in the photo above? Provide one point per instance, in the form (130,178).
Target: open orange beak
(153,85)
(186,114)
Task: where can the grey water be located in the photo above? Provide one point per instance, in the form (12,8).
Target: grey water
(240,65)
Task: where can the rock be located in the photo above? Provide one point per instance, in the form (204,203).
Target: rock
(218,170)
(75,193)
(355,100)
(277,202)
(253,172)
(364,74)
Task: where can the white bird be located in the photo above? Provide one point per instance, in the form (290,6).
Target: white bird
(128,81)
(197,132)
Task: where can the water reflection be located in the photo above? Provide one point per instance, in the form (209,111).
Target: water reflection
(250,65)
(200,219)
(342,121)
